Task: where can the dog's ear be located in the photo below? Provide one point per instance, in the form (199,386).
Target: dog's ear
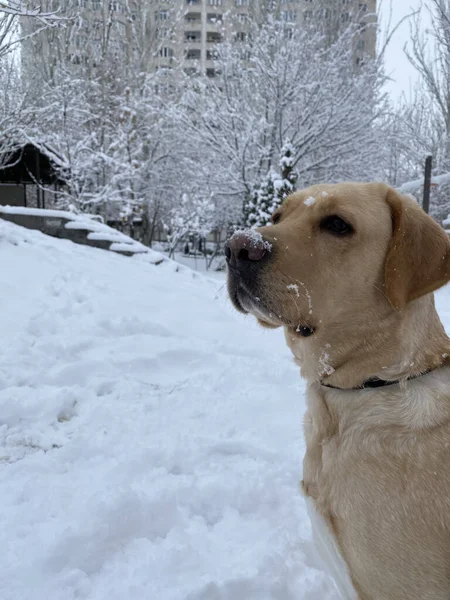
(418,257)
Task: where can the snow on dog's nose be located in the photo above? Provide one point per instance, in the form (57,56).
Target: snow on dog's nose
(245,247)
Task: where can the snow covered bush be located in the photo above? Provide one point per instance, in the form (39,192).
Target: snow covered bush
(193,216)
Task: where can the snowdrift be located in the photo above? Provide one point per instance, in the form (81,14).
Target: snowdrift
(151,439)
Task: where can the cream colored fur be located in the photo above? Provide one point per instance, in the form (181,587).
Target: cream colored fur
(377,464)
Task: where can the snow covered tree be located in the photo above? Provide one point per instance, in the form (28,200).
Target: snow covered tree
(297,88)
(29,13)
(134,139)
(285,184)
(263,202)
(433,66)
(96,102)
(16,116)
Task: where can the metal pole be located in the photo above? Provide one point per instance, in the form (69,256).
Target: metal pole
(38,178)
(427,184)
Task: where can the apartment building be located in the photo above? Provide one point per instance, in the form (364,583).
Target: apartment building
(189,30)
(185,33)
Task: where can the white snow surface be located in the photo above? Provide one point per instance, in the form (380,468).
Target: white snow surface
(151,437)
(309,201)
(127,247)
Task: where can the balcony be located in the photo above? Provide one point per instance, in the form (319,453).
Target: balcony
(214,19)
(213,38)
(192,71)
(211,72)
(192,37)
(192,54)
(193,18)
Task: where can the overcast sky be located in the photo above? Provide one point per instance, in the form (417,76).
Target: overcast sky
(397,65)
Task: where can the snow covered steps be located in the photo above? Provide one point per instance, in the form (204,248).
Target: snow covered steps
(81,229)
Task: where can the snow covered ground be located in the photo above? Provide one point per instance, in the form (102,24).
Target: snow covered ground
(150,436)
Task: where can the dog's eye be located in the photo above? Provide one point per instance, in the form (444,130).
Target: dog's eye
(276,218)
(336,225)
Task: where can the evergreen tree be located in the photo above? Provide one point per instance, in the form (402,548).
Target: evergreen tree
(262,203)
(273,190)
(285,184)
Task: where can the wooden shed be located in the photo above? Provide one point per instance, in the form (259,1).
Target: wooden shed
(30,175)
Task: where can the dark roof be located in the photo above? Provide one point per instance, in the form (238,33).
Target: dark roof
(31,163)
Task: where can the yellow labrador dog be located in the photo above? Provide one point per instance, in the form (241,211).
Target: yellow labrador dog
(348,270)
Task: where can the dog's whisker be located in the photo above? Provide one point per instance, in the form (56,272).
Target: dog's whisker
(306,294)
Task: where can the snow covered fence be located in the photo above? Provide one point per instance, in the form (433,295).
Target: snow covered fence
(412,186)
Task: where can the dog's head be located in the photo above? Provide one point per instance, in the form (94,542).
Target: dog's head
(334,253)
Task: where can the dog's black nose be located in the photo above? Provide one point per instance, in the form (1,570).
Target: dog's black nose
(245,247)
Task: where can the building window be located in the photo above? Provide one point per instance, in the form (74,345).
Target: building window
(215,2)
(307,14)
(361,45)
(193,54)
(163,33)
(288,15)
(345,17)
(192,36)
(212,54)
(192,18)
(213,18)
(363,7)
(241,36)
(212,36)
(96,5)
(242,2)
(192,2)
(242,18)
(166,52)
(162,15)
(244,54)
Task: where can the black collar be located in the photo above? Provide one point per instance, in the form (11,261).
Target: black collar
(375,383)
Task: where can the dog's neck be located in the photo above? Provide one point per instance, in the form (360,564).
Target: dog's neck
(389,345)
